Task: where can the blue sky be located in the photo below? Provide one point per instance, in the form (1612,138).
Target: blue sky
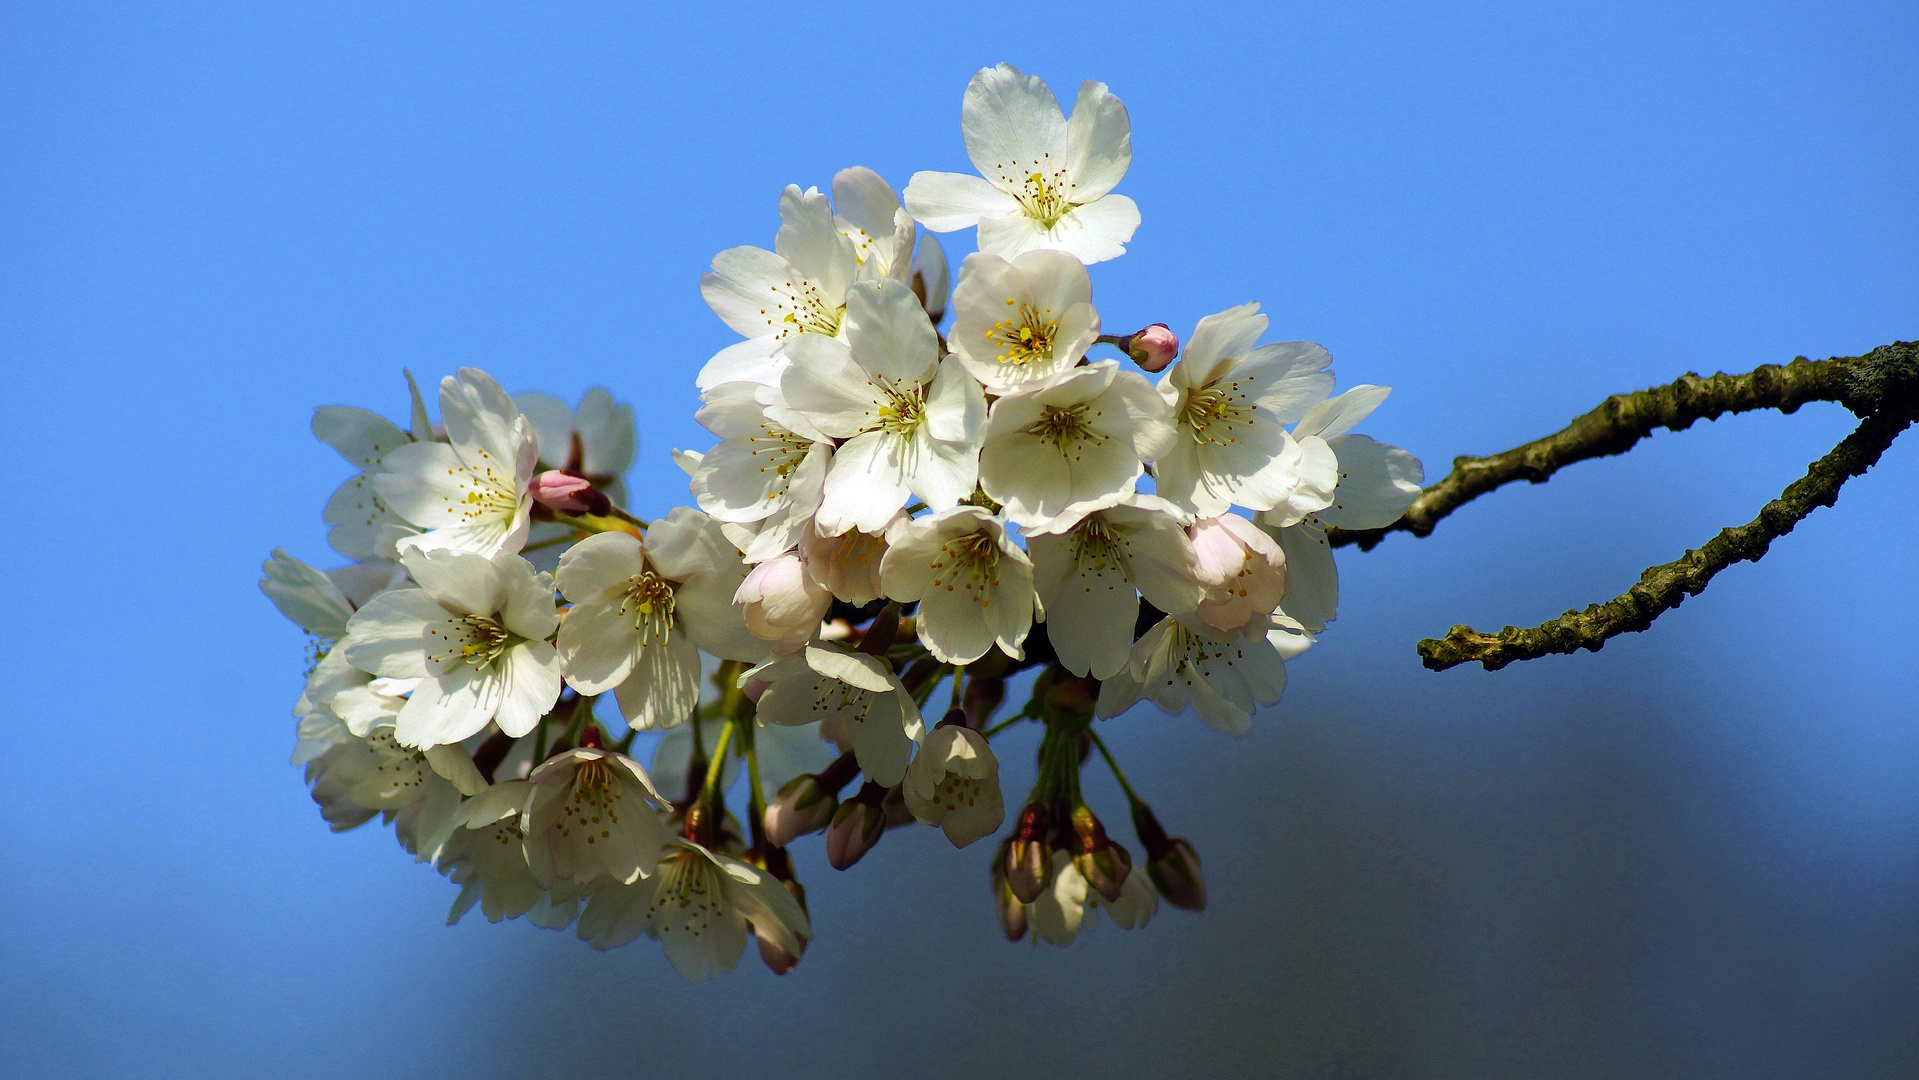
(1692,853)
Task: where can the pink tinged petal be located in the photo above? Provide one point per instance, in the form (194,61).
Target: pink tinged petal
(450,707)
(599,564)
(1377,482)
(531,672)
(765,903)
(1097,145)
(363,438)
(389,635)
(664,685)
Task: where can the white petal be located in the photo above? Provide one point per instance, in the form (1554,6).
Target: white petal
(1338,415)
(388,636)
(1377,482)
(1010,122)
(664,685)
(1097,145)
(449,708)
(531,672)
(944,202)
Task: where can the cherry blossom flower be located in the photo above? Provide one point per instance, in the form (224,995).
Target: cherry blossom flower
(1047,179)
(1231,401)
(489,865)
(474,633)
(774,298)
(975,586)
(1224,678)
(848,565)
(782,602)
(1090,573)
(769,468)
(826,681)
(954,783)
(1019,325)
(470,495)
(911,421)
(641,613)
(362,528)
(1083,439)
(702,906)
(1242,570)
(589,815)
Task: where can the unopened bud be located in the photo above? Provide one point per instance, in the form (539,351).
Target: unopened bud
(1171,862)
(857,825)
(1029,857)
(567,493)
(777,959)
(1154,347)
(1101,862)
(801,806)
(1012,913)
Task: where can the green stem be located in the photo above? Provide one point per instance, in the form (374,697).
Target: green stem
(1132,798)
(1003,725)
(959,675)
(717,766)
(551,541)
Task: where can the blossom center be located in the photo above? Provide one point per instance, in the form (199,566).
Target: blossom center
(1219,406)
(592,806)
(955,791)
(783,452)
(1025,335)
(904,410)
(485,491)
(802,309)
(1067,427)
(474,639)
(688,899)
(969,562)
(1040,188)
(650,599)
(1098,547)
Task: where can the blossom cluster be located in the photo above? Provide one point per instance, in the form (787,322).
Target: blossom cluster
(888,508)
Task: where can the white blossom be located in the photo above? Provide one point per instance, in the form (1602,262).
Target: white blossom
(1231,400)
(1224,678)
(488,863)
(829,682)
(469,495)
(702,906)
(641,613)
(588,815)
(1047,179)
(1083,439)
(774,298)
(769,469)
(1019,325)
(473,633)
(975,586)
(362,528)
(910,421)
(1090,573)
(1055,915)
(954,783)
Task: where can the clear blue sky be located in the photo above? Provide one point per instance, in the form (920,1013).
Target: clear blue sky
(1696,853)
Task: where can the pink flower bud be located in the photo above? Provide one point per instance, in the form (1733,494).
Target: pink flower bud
(802,806)
(1154,347)
(783,603)
(857,826)
(567,493)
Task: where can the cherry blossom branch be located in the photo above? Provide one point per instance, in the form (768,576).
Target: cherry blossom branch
(1881,386)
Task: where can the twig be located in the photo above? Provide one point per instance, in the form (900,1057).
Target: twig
(1620,422)
(1882,386)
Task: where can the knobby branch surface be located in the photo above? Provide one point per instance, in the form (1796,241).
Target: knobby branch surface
(1881,387)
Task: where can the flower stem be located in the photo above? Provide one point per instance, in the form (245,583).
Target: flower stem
(716,767)
(1004,724)
(1132,798)
(959,674)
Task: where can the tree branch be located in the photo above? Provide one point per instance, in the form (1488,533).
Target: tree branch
(1882,387)
(1617,425)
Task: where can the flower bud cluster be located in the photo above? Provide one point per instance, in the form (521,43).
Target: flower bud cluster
(887,504)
